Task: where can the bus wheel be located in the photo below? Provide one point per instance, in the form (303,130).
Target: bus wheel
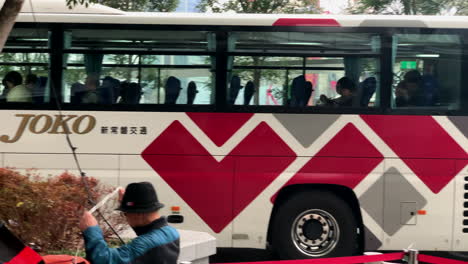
(314,224)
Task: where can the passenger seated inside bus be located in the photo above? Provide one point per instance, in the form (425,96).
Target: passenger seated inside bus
(91,85)
(37,86)
(429,84)
(109,91)
(368,88)
(14,90)
(31,82)
(410,91)
(85,93)
(346,88)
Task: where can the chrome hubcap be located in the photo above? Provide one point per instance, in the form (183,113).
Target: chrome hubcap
(315,232)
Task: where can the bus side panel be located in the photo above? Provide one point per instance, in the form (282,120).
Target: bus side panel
(419,188)
(406,195)
(134,168)
(255,181)
(460,218)
(370,194)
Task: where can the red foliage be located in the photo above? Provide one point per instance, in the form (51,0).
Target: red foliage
(46,211)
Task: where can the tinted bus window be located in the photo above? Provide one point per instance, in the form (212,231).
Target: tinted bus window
(427,71)
(145,40)
(28,38)
(25,67)
(296,69)
(142,76)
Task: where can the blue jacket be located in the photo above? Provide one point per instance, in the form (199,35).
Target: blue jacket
(157,243)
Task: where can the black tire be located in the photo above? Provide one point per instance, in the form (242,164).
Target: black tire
(324,219)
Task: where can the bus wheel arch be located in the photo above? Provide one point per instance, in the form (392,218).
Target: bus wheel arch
(339,194)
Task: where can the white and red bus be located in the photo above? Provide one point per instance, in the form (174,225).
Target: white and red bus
(217,111)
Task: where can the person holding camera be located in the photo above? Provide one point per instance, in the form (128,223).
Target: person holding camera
(156,243)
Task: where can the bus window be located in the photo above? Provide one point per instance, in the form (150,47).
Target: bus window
(24,73)
(141,40)
(427,71)
(143,77)
(28,38)
(89,78)
(297,69)
(193,76)
(270,75)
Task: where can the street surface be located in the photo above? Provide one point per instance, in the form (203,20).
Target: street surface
(231,255)
(228,255)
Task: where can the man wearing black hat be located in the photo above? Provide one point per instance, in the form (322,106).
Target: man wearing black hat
(157,242)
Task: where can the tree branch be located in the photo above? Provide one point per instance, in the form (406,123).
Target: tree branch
(8,15)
